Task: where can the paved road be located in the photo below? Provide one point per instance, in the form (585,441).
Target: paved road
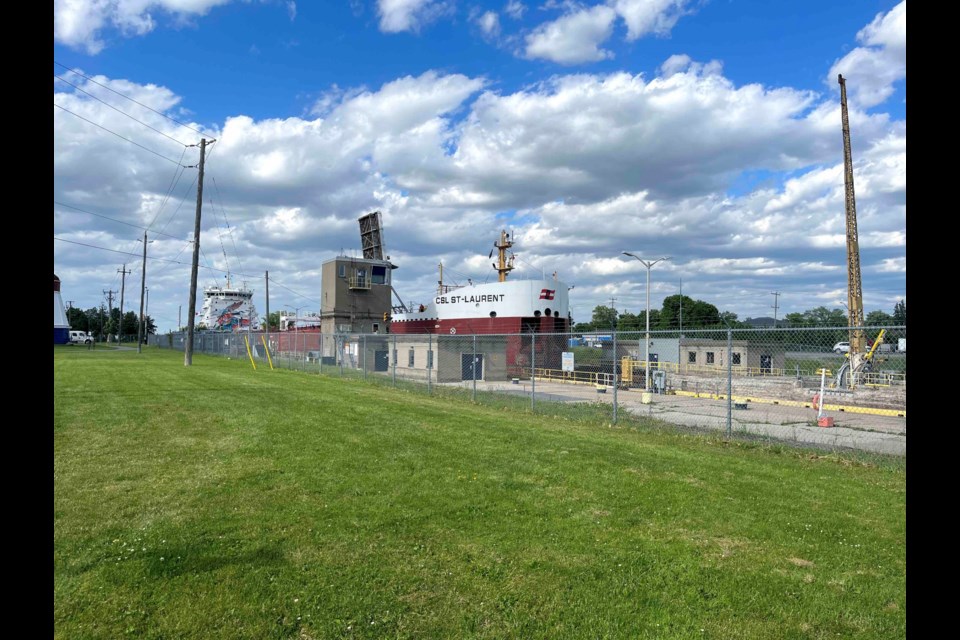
(865,432)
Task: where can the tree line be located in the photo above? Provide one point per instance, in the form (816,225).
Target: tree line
(684,312)
(99,322)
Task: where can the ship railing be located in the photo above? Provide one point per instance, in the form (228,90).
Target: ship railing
(447,288)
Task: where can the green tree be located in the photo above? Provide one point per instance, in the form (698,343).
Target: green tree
(604,318)
(675,307)
(900,313)
(77,319)
(629,322)
(878,319)
(130,326)
(273,321)
(821,317)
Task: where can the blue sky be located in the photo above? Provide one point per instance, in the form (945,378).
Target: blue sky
(708,131)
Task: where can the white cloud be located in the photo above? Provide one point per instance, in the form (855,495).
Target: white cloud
(573,38)
(515,9)
(872,69)
(649,16)
(582,167)
(78,23)
(410,15)
(892,265)
(489,24)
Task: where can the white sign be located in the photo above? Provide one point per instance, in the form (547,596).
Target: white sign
(567,361)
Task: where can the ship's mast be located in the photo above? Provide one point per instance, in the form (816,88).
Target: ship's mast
(440,281)
(504,265)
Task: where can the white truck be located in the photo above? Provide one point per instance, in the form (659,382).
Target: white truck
(80,337)
(902,345)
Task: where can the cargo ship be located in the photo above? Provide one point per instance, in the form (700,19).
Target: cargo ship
(502,307)
(229,309)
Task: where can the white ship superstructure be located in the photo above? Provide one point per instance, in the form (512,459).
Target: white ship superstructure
(229,309)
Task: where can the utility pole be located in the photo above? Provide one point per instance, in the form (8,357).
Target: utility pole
(179,322)
(776,297)
(143,285)
(192,304)
(109,295)
(267,331)
(123,280)
(681,308)
(69,305)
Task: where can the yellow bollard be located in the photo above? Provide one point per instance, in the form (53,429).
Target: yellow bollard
(267,349)
(246,341)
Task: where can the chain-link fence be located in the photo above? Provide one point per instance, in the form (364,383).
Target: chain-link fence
(802,386)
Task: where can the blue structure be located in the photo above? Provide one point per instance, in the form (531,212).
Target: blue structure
(61,328)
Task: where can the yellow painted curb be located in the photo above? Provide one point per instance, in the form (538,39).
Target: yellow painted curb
(896,413)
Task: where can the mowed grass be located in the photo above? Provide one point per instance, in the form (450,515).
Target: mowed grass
(218,502)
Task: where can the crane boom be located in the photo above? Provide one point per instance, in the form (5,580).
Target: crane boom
(854,282)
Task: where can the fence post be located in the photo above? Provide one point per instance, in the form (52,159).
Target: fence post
(615,385)
(320,369)
(533,372)
(364,359)
(429,363)
(394,360)
(474,367)
(340,352)
(729,382)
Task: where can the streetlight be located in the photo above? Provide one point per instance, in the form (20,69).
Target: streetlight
(647,264)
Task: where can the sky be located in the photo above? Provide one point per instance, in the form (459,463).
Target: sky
(706,131)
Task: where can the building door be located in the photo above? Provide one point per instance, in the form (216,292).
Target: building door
(766,364)
(471,366)
(381,360)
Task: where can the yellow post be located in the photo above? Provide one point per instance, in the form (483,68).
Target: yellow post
(246,341)
(267,349)
(626,370)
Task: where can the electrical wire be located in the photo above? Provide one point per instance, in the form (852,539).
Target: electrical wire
(122,112)
(129,98)
(159,155)
(100,215)
(227,223)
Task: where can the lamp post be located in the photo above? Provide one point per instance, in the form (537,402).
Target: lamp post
(648,264)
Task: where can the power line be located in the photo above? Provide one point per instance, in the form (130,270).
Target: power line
(227,222)
(136,255)
(160,155)
(159,113)
(272,281)
(177,174)
(100,215)
(223,249)
(185,194)
(123,112)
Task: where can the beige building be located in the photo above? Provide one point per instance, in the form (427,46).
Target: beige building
(356,295)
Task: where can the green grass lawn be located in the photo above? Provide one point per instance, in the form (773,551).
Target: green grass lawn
(218,502)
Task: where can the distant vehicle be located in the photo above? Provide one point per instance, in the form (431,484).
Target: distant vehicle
(841,347)
(902,345)
(80,337)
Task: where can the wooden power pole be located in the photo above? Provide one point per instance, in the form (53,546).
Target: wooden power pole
(192,304)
